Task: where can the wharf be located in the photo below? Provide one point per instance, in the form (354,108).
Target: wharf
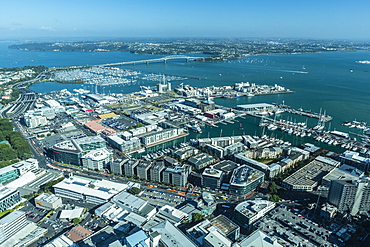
(322,117)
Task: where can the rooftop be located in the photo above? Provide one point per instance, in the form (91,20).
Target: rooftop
(211,172)
(78,233)
(172,236)
(226,166)
(50,198)
(11,217)
(244,175)
(252,207)
(312,173)
(98,154)
(223,224)
(129,201)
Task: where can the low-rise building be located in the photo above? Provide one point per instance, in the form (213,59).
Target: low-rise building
(259,108)
(78,233)
(125,146)
(212,178)
(8,198)
(271,170)
(244,180)
(18,169)
(171,235)
(143,169)
(185,152)
(88,190)
(156,171)
(48,201)
(258,238)
(221,224)
(155,137)
(309,176)
(355,159)
(250,211)
(98,159)
(216,151)
(234,149)
(177,176)
(201,161)
(11,224)
(345,172)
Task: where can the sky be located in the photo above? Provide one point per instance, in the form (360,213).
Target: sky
(324,19)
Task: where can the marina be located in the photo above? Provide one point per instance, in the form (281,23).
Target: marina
(322,117)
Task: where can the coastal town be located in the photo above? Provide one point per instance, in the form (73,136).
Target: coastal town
(114,169)
(217,49)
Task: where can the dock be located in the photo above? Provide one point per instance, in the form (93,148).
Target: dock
(322,117)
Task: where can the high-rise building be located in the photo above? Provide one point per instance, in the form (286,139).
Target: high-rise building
(350,195)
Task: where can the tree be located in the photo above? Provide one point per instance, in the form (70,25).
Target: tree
(75,221)
(272,188)
(197,217)
(274,198)
(134,190)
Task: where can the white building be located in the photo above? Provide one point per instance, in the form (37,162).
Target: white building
(97,159)
(35,121)
(48,201)
(11,224)
(171,235)
(249,211)
(90,191)
(259,238)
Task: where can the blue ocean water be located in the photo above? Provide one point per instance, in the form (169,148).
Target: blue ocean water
(333,81)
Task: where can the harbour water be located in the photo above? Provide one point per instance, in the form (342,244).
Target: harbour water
(333,82)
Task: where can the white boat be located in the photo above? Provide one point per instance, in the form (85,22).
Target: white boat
(194,127)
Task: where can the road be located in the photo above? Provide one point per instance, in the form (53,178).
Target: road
(25,101)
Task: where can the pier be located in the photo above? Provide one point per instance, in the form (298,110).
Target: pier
(322,117)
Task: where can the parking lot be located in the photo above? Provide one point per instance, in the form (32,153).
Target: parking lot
(296,227)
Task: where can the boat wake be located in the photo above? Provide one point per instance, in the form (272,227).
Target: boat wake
(294,71)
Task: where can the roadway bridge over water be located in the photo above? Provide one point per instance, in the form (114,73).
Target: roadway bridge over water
(147,61)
